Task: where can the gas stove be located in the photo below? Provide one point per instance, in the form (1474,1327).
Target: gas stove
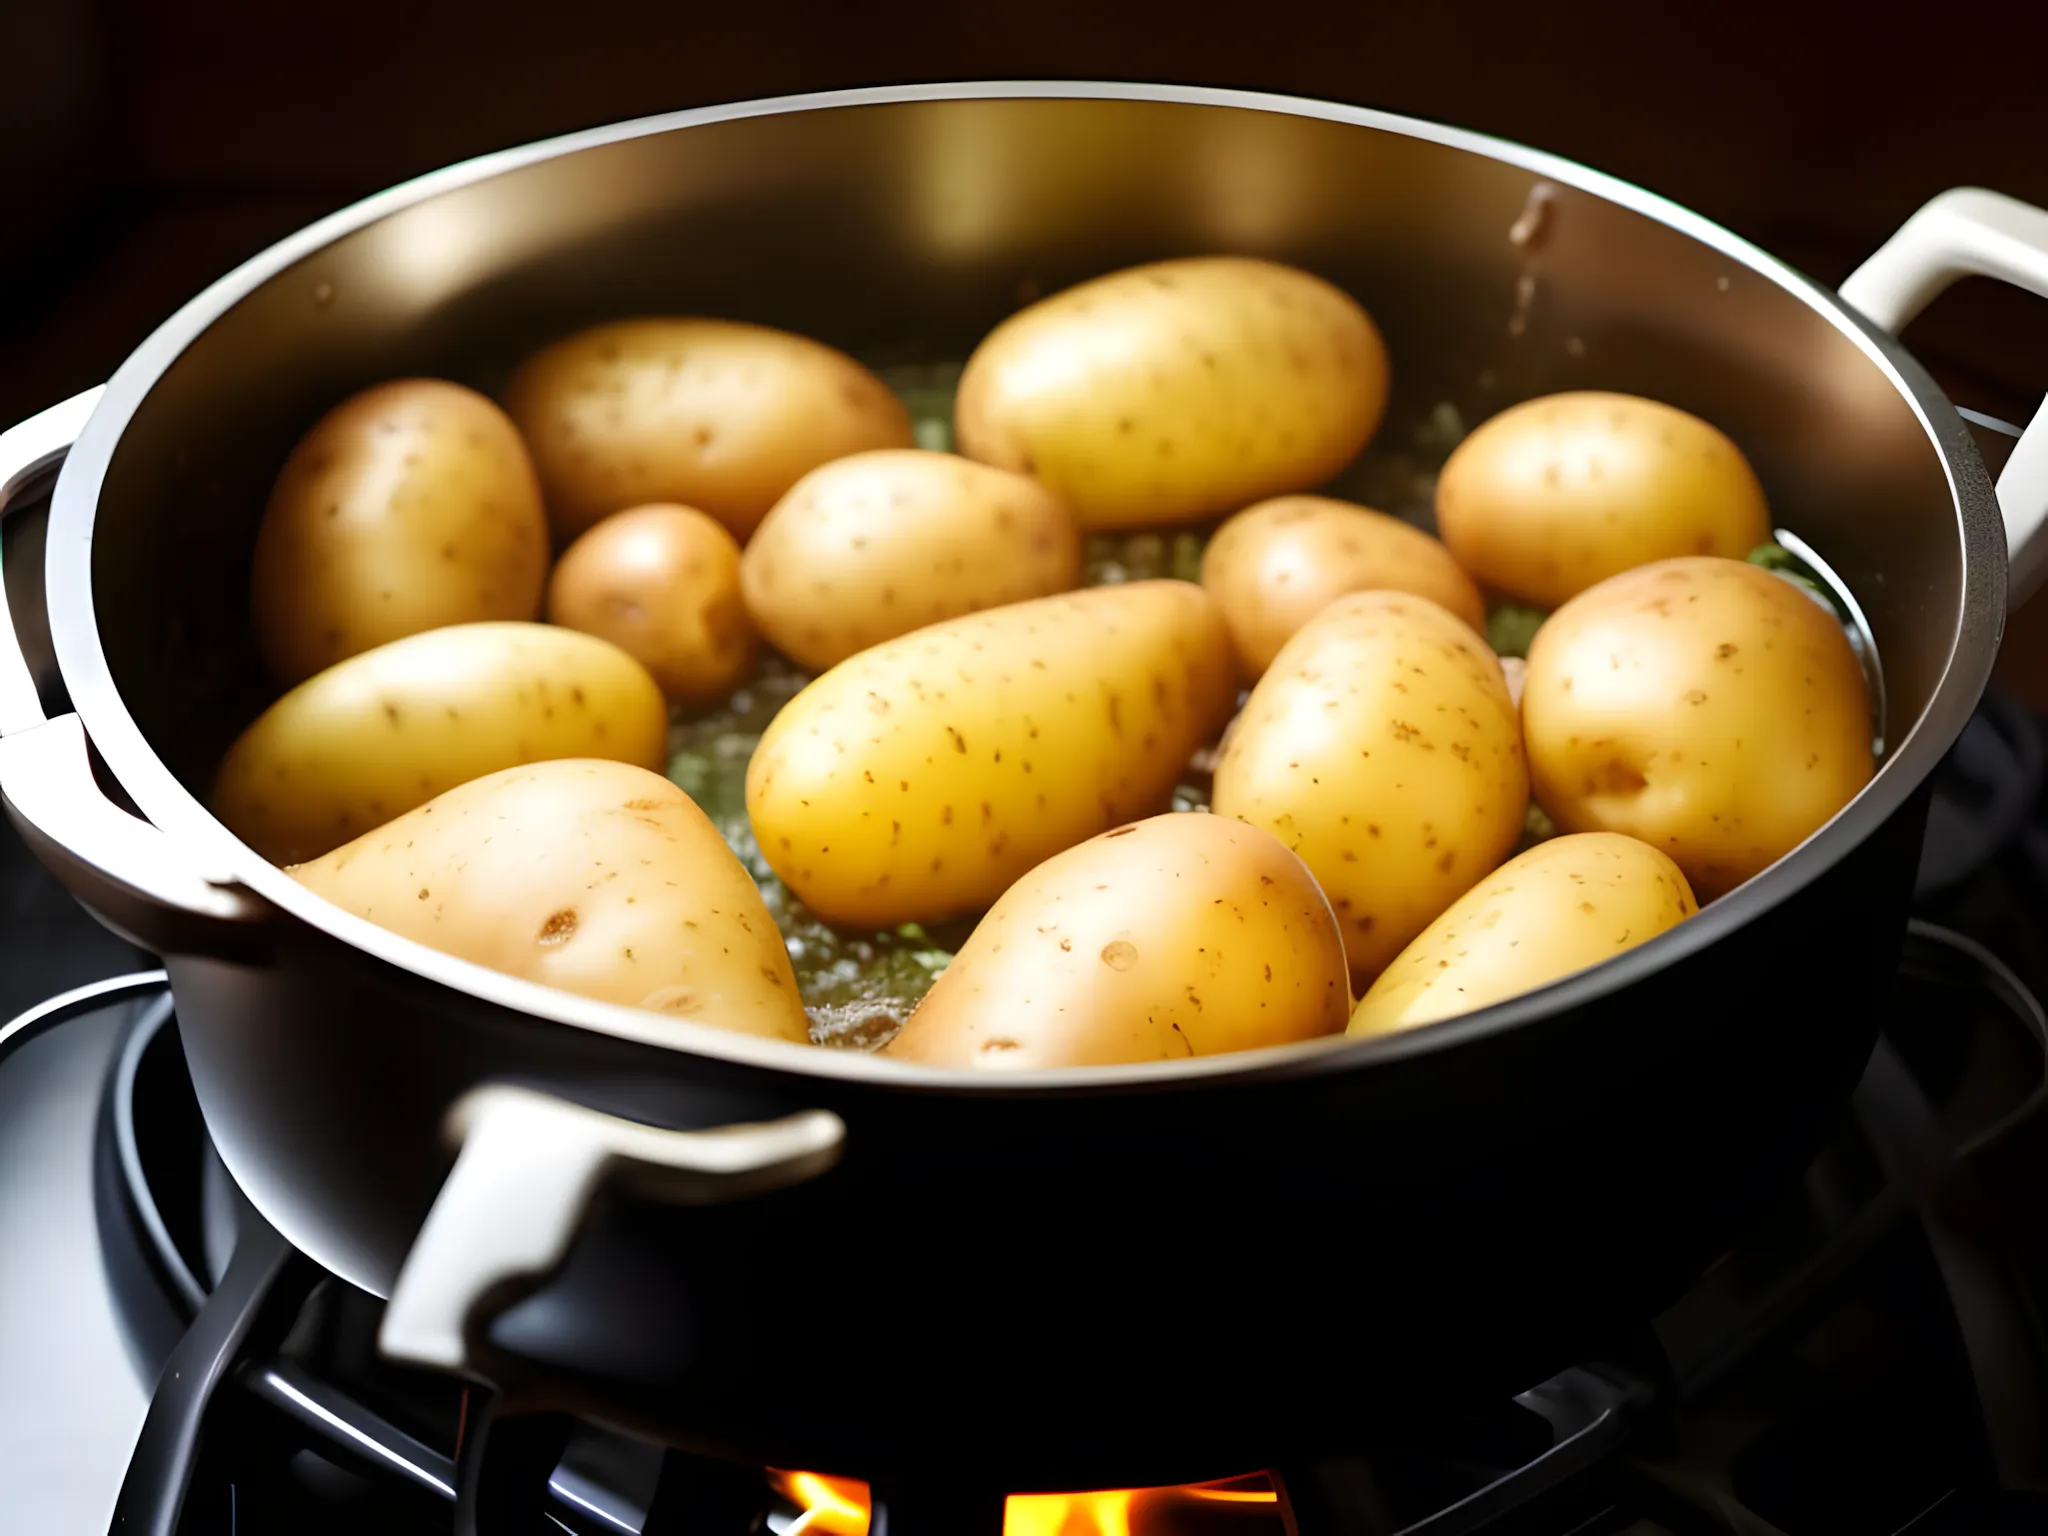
(1870,1358)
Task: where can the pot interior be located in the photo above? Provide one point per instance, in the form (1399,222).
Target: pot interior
(903,230)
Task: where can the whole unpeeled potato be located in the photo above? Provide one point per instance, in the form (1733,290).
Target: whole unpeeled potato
(874,545)
(1177,390)
(1567,903)
(1183,935)
(1277,564)
(597,877)
(1561,492)
(917,780)
(407,507)
(368,740)
(1381,746)
(714,414)
(662,583)
(1709,708)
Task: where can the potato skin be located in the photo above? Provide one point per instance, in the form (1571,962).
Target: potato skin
(715,414)
(1381,746)
(1278,563)
(1558,493)
(918,780)
(1705,706)
(1565,904)
(410,506)
(662,583)
(596,877)
(368,740)
(1177,390)
(1182,935)
(876,544)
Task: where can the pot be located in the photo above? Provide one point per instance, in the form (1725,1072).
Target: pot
(1108,1275)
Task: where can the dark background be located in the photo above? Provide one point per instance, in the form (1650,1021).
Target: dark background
(145,148)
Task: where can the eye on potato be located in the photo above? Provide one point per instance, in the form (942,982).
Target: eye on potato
(877,544)
(714,414)
(662,583)
(596,877)
(1564,905)
(918,780)
(1184,935)
(1704,706)
(366,741)
(407,507)
(1558,493)
(1381,746)
(1277,564)
(1177,390)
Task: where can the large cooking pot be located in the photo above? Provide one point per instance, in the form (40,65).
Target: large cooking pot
(1123,1274)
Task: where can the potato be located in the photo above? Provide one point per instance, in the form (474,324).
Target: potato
(872,546)
(1177,390)
(1382,748)
(1558,908)
(916,781)
(662,583)
(1558,493)
(1184,935)
(408,507)
(1276,565)
(1705,706)
(711,413)
(385,731)
(597,877)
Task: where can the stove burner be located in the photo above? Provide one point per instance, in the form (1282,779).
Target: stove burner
(1869,1361)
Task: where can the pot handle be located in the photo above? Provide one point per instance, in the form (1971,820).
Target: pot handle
(530,1166)
(126,872)
(1968,232)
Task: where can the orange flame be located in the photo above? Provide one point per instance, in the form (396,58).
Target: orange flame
(829,1506)
(837,1506)
(1069,1514)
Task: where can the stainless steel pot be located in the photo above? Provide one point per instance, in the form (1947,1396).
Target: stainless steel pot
(1159,1260)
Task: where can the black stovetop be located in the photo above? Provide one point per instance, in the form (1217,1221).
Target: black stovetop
(1870,1359)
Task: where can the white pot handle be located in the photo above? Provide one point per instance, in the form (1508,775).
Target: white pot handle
(1969,232)
(126,873)
(529,1168)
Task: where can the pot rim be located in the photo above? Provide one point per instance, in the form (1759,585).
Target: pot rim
(1978,624)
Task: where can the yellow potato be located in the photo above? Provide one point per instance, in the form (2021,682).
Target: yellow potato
(1705,706)
(1381,747)
(1185,935)
(1177,390)
(711,413)
(917,780)
(596,877)
(408,507)
(385,731)
(1566,904)
(662,583)
(1558,493)
(872,546)
(1276,565)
